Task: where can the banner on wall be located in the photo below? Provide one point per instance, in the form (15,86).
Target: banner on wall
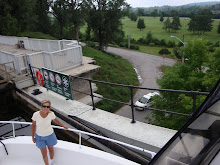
(57,82)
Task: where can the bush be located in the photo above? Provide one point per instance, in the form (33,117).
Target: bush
(176,51)
(217,44)
(151,44)
(156,42)
(121,44)
(171,44)
(91,44)
(163,42)
(136,47)
(164,51)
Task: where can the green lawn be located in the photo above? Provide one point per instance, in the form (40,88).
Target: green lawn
(155,26)
(114,69)
(37,35)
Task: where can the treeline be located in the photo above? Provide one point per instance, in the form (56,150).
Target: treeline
(189,76)
(200,22)
(63,18)
(184,11)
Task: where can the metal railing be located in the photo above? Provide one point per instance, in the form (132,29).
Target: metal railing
(131,88)
(131,104)
(55,54)
(80,136)
(6,69)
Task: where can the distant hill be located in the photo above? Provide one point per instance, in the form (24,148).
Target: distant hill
(203,3)
(190,4)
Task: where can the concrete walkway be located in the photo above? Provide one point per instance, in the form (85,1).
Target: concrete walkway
(145,133)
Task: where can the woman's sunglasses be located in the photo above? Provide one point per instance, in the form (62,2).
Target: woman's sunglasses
(44,106)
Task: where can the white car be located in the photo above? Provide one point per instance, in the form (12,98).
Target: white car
(144,101)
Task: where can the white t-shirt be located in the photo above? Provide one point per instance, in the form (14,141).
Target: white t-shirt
(43,125)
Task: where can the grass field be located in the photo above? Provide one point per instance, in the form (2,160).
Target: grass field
(155,26)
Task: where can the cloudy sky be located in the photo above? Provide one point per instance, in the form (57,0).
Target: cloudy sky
(152,3)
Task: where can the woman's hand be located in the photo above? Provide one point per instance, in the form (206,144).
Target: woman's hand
(59,123)
(33,139)
(65,127)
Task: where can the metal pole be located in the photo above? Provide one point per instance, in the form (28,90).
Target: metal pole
(13,127)
(194,103)
(32,75)
(80,139)
(132,105)
(128,39)
(92,96)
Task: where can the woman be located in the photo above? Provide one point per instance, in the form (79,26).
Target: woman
(44,135)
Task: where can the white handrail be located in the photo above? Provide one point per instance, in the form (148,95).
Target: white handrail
(83,132)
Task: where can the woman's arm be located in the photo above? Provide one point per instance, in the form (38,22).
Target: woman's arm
(59,123)
(33,130)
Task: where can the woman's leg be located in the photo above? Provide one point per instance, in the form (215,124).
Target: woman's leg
(44,154)
(51,151)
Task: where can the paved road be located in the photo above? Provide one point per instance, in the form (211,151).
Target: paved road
(148,67)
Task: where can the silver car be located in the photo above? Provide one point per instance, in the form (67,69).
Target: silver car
(144,101)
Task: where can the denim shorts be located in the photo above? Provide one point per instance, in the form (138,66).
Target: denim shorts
(43,141)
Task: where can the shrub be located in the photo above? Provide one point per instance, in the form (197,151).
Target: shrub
(176,51)
(163,42)
(164,51)
(121,44)
(171,44)
(136,47)
(151,44)
(156,42)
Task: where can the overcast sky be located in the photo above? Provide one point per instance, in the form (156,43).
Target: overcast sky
(152,3)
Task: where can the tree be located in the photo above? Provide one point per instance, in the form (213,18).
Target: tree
(175,25)
(104,19)
(133,17)
(42,10)
(149,37)
(76,15)
(213,72)
(201,22)
(182,76)
(161,18)
(141,24)
(8,25)
(154,13)
(218,28)
(59,11)
(24,13)
(167,25)
(140,12)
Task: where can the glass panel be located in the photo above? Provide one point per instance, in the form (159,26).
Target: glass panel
(143,100)
(195,143)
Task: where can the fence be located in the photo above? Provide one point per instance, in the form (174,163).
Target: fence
(59,60)
(57,55)
(39,44)
(18,60)
(5,70)
(11,40)
(131,88)
(80,136)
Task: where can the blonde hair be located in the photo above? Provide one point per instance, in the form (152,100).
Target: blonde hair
(45,101)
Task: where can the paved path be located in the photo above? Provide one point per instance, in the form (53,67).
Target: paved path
(149,69)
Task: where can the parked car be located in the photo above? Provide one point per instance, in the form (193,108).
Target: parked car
(144,101)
